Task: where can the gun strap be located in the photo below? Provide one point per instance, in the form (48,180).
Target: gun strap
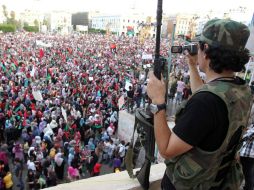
(133,150)
(134,130)
(129,154)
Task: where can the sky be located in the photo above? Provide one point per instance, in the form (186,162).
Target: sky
(119,6)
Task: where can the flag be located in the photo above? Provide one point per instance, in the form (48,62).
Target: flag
(24,122)
(13,66)
(41,53)
(3,67)
(17,109)
(37,95)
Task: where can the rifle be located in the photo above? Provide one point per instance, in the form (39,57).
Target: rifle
(144,121)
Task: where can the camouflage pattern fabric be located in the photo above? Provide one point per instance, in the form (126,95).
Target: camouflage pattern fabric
(225,33)
(197,169)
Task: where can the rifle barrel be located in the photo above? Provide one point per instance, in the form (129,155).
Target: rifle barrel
(157,63)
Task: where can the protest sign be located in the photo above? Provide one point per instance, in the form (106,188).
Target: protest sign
(41,43)
(147,56)
(37,95)
(121,102)
(127,85)
(64,113)
(32,72)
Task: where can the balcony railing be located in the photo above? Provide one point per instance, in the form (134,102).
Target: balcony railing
(115,181)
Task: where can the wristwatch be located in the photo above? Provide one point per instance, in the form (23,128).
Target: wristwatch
(155,108)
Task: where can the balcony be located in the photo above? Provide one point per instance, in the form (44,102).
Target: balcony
(115,181)
(121,181)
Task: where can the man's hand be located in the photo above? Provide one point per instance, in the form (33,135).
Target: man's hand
(156,89)
(192,60)
(195,80)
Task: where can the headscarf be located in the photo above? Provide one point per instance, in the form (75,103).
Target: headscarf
(91,145)
(58,159)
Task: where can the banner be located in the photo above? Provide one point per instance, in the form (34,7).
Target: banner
(41,43)
(147,56)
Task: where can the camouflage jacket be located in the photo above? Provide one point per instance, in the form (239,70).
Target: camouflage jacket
(197,169)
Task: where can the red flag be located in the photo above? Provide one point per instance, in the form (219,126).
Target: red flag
(41,53)
(24,123)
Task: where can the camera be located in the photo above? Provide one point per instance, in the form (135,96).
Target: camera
(191,48)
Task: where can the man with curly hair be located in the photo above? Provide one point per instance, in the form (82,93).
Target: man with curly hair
(200,150)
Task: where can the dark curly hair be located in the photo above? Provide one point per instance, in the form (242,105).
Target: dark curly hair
(222,59)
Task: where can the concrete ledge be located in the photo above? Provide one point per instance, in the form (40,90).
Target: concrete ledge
(115,181)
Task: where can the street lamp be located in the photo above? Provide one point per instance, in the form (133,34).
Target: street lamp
(170,55)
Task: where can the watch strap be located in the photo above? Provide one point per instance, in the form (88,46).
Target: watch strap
(161,107)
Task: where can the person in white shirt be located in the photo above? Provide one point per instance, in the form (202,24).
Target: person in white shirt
(110,130)
(121,150)
(111,150)
(30,164)
(179,91)
(106,149)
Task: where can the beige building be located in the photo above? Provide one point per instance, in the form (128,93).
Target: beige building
(186,24)
(121,24)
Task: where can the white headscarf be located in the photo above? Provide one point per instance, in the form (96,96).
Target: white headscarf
(58,159)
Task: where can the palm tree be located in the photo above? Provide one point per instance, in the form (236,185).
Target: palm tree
(5,11)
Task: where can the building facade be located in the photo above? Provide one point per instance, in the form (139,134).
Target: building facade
(59,21)
(121,24)
(80,18)
(183,24)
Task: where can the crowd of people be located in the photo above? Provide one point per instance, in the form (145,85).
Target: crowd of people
(59,105)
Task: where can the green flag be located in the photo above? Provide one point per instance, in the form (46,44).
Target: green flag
(3,67)
(13,66)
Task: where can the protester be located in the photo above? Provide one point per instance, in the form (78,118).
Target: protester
(246,153)
(179,91)
(96,169)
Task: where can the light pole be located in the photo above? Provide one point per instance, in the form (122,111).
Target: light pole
(170,56)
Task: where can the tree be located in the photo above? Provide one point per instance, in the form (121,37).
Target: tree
(12,19)
(13,15)
(5,11)
(31,28)
(26,24)
(36,22)
(19,24)
(7,28)
(46,22)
